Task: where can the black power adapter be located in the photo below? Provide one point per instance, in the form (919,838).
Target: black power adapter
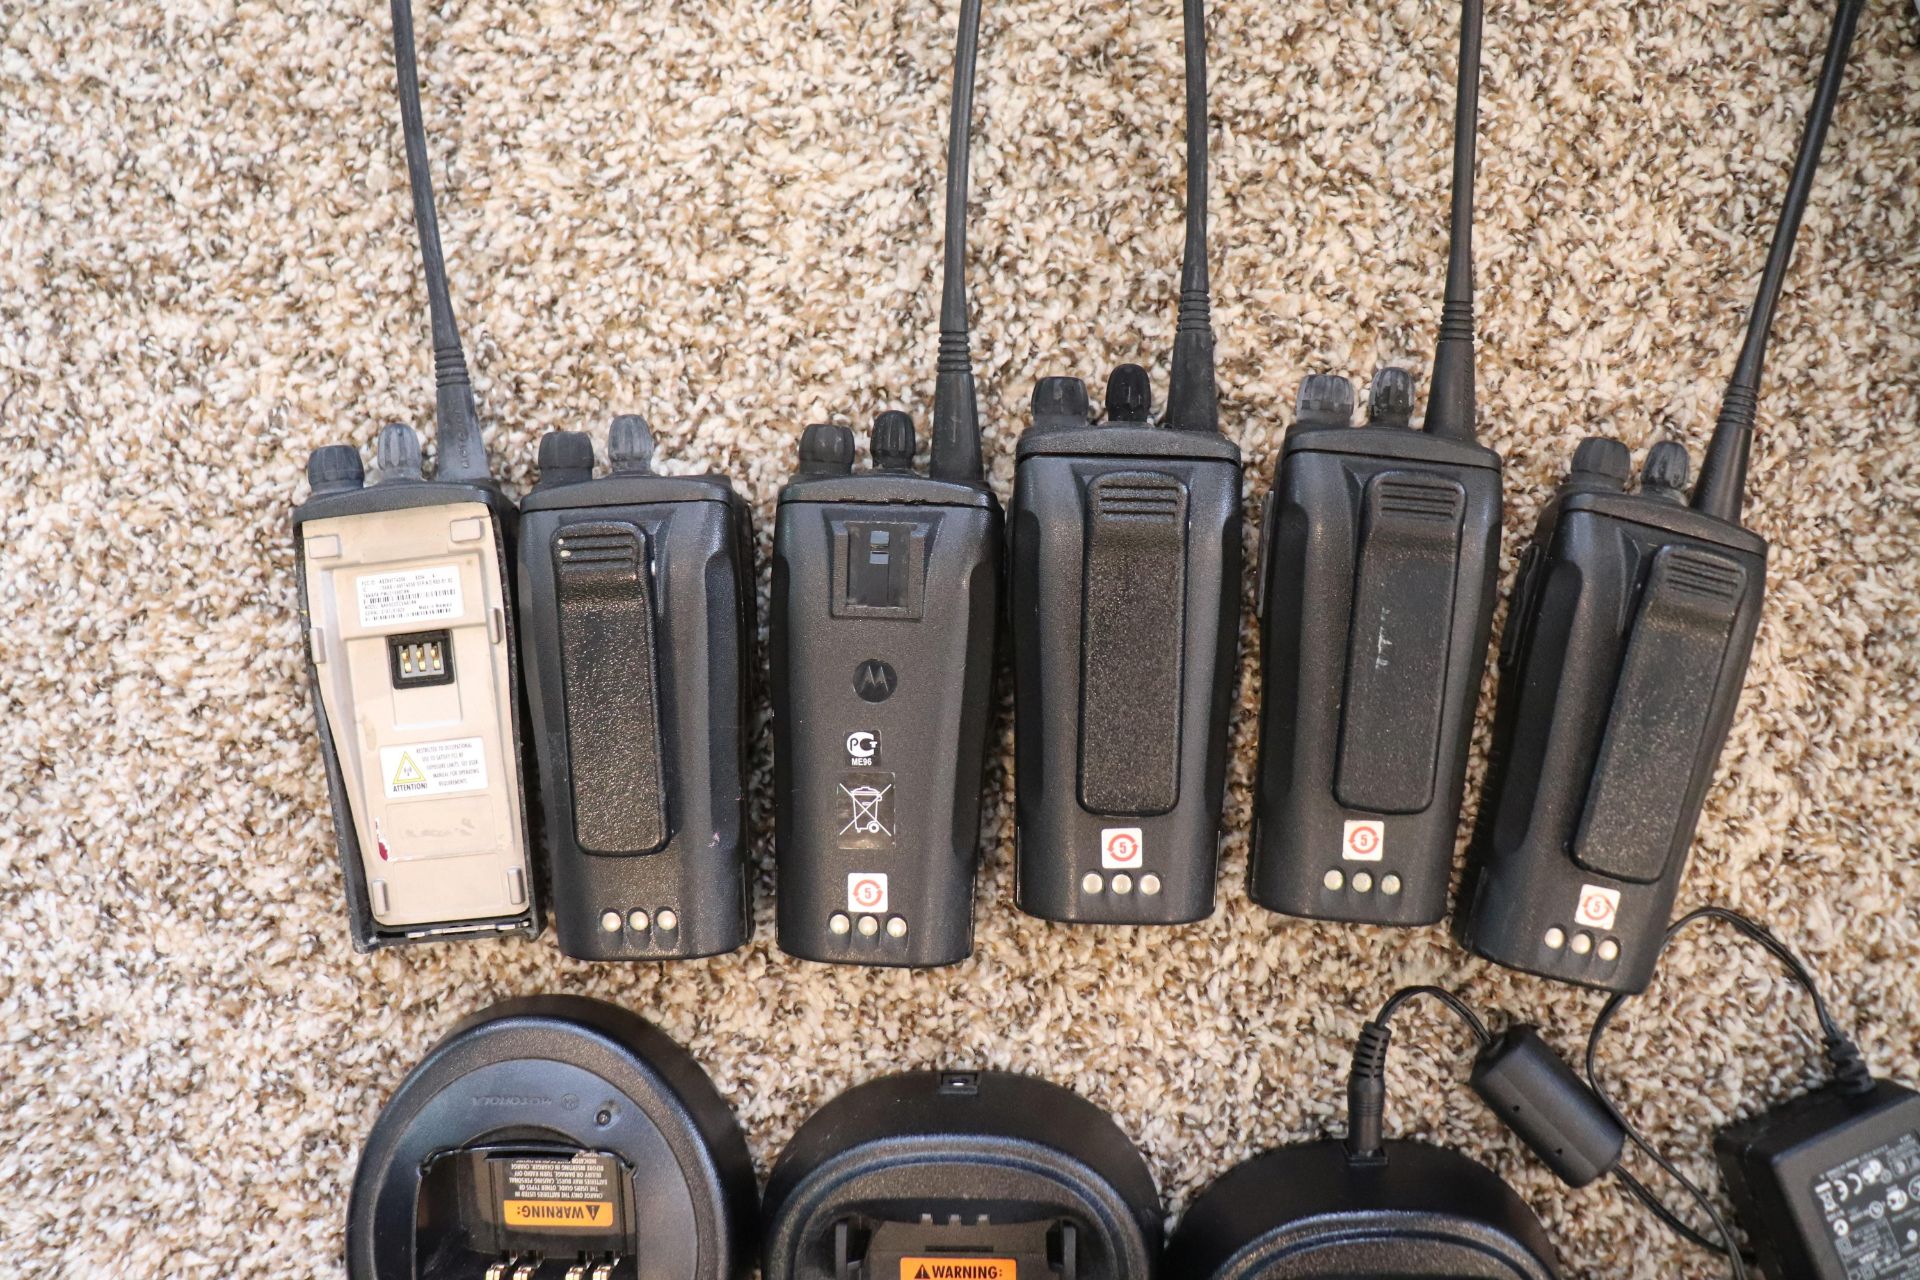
(553,1138)
(960,1175)
(1380,548)
(1125,609)
(886,590)
(1827,1185)
(1632,621)
(636,603)
(411,650)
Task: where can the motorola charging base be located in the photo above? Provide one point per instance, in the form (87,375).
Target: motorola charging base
(1309,1212)
(553,1138)
(960,1175)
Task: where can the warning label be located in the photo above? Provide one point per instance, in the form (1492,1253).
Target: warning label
(578,1194)
(434,768)
(409,596)
(562,1214)
(958,1269)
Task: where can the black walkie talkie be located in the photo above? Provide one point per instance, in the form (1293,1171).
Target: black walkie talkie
(1632,621)
(408,615)
(1125,590)
(885,601)
(1379,549)
(636,605)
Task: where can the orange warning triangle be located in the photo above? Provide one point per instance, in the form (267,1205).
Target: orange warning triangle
(921,1274)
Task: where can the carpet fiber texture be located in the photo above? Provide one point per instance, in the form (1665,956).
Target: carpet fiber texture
(725,216)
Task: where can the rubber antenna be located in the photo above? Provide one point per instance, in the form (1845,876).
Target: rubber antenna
(1723,473)
(1193,397)
(956,409)
(1450,404)
(460,453)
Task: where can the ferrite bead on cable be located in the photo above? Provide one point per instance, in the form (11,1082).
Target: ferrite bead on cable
(1536,1094)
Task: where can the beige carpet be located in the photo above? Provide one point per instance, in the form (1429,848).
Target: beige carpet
(724,215)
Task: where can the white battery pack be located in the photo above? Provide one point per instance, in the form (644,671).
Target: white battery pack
(408,611)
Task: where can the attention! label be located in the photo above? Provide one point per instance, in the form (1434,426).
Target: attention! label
(958,1269)
(434,768)
(559,1214)
(408,596)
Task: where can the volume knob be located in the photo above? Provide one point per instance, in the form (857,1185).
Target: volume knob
(1129,394)
(397,453)
(630,445)
(893,441)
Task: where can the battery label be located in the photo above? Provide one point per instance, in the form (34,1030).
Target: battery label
(863,817)
(1872,1209)
(950,1268)
(434,768)
(578,1194)
(408,596)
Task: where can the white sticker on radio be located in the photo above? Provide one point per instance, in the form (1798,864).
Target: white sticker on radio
(409,596)
(434,768)
(1122,848)
(867,891)
(1363,840)
(1597,908)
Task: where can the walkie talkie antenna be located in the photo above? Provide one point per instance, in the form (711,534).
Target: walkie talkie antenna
(1193,398)
(460,452)
(1450,402)
(1723,472)
(956,410)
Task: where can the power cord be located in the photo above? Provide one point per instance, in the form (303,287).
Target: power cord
(1367,1081)
(1843,1057)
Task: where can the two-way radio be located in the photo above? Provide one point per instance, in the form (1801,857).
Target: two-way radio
(1125,589)
(636,602)
(886,587)
(1380,549)
(410,645)
(1632,620)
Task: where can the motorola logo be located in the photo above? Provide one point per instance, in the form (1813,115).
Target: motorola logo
(875,680)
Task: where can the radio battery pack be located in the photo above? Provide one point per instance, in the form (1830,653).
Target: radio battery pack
(403,592)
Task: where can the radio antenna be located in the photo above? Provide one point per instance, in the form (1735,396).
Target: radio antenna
(1193,397)
(461,454)
(956,409)
(1723,472)
(1450,401)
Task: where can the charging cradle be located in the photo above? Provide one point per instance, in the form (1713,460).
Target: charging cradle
(1313,1211)
(960,1175)
(553,1138)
